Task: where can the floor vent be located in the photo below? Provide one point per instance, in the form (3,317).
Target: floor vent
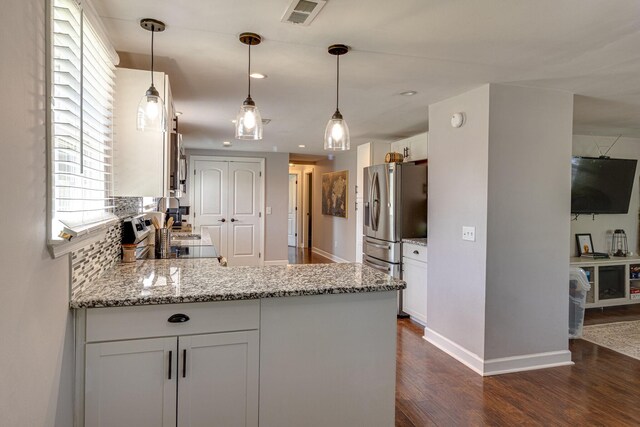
(302,12)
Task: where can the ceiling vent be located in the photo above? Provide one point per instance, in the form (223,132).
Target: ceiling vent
(303,12)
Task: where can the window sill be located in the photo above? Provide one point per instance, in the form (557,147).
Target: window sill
(59,247)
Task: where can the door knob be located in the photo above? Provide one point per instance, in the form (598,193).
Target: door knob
(233,220)
(223,220)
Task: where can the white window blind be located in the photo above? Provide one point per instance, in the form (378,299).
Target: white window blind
(81,115)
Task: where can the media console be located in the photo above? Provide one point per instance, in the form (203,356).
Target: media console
(614,281)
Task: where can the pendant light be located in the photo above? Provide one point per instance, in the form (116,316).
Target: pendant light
(152,115)
(248,120)
(336,134)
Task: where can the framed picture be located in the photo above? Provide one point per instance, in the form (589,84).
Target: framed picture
(585,244)
(335,191)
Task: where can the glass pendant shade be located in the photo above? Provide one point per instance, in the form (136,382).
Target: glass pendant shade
(336,134)
(151,112)
(249,121)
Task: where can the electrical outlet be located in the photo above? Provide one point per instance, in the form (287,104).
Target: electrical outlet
(469,233)
(335,244)
(268,210)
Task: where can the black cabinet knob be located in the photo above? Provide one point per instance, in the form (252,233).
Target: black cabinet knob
(178,318)
(416,252)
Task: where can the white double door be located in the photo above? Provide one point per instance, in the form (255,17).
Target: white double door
(227,198)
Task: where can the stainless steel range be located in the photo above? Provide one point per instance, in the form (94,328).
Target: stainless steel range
(395,206)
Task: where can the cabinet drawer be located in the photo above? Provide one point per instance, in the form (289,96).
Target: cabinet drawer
(146,321)
(415,252)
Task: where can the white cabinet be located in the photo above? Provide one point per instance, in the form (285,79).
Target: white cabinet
(140,162)
(135,378)
(416,147)
(131,383)
(218,380)
(371,153)
(414,272)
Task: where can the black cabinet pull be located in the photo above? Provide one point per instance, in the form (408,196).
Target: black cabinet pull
(184,363)
(416,252)
(222,220)
(170,362)
(178,318)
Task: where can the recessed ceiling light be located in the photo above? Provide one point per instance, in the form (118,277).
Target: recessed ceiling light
(301,146)
(178,113)
(227,143)
(258,76)
(291,165)
(233,121)
(408,93)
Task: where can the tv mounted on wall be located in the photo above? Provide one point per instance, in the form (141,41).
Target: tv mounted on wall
(601,185)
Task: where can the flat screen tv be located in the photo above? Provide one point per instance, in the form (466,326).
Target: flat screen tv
(601,185)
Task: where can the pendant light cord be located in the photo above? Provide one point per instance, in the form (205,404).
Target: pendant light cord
(337,81)
(153,30)
(249,71)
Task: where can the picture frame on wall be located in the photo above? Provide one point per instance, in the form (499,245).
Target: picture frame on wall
(335,193)
(584,243)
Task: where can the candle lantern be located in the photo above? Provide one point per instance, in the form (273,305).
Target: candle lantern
(619,243)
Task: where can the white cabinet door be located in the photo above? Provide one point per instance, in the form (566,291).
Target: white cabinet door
(415,295)
(218,376)
(244,213)
(139,167)
(210,202)
(419,147)
(131,383)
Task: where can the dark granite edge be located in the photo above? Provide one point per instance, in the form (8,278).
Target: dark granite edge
(102,303)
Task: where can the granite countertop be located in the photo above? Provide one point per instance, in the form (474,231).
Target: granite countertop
(203,279)
(421,241)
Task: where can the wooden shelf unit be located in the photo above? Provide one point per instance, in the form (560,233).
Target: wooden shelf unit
(612,280)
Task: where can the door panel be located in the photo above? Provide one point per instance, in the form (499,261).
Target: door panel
(243,237)
(211,202)
(291,211)
(219,383)
(415,295)
(244,221)
(127,383)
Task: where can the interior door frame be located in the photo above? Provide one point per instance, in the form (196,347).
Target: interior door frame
(263,181)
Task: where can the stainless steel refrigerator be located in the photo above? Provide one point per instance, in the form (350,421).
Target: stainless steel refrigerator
(395,207)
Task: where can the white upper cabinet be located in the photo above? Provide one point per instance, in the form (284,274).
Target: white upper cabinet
(140,164)
(417,147)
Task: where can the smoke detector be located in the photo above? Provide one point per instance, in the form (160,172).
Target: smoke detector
(302,12)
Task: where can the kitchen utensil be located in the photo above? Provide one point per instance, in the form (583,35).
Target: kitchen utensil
(163,243)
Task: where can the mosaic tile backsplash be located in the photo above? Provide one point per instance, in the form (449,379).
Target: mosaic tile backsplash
(90,262)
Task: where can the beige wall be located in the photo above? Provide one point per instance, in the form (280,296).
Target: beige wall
(331,234)
(36,350)
(276,175)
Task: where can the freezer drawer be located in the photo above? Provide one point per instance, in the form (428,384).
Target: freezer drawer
(382,250)
(386,267)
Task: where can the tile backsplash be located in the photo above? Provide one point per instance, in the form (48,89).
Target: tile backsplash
(90,262)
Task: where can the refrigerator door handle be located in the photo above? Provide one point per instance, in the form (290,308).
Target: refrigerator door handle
(375,197)
(377,245)
(377,266)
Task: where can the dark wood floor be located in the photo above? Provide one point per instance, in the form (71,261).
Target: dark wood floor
(305,256)
(432,389)
(622,313)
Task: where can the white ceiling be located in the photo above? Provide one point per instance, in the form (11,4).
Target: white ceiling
(438,48)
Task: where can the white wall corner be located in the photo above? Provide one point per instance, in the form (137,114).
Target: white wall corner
(277,262)
(325,254)
(461,354)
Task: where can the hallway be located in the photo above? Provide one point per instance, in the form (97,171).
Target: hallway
(305,256)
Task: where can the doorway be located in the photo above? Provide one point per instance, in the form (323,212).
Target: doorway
(292,211)
(227,195)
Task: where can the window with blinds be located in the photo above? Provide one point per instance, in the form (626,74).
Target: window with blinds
(82,86)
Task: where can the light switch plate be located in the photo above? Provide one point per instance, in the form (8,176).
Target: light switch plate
(469,233)
(268,210)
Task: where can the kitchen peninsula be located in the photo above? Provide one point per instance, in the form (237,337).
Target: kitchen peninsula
(181,341)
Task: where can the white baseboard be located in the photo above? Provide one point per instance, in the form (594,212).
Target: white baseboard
(325,254)
(498,366)
(527,362)
(277,262)
(461,354)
